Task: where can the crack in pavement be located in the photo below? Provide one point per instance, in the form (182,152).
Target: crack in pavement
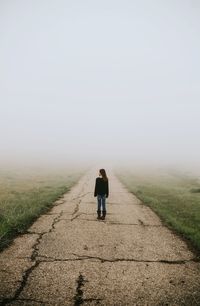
(141,222)
(22,285)
(56,220)
(95,220)
(75,217)
(115,223)
(102,260)
(36,263)
(80,196)
(78,298)
(76,210)
(35,246)
(134,224)
(61,200)
(164,261)
(57,204)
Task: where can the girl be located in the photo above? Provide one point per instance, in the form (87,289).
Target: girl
(101,191)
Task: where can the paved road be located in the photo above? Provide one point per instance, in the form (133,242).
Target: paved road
(68,257)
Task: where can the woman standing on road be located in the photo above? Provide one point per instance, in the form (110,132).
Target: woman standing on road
(102,192)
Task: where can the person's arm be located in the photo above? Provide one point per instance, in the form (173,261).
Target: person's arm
(95,189)
(107,190)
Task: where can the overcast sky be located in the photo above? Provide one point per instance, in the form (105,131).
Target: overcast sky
(105,79)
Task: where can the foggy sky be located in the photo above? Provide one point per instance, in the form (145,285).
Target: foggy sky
(100,80)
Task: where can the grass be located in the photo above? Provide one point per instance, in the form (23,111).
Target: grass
(174,197)
(25,195)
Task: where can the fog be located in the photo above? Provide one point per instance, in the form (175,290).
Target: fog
(100,82)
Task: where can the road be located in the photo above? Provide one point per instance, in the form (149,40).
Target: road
(68,257)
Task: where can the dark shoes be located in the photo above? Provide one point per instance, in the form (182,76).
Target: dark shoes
(103,215)
(99,217)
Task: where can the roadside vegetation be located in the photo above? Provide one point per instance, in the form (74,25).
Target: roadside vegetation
(173,196)
(26,194)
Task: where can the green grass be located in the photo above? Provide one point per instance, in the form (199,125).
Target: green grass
(174,197)
(25,195)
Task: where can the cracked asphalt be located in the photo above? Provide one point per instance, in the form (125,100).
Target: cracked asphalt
(68,257)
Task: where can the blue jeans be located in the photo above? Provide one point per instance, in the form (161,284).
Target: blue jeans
(101,201)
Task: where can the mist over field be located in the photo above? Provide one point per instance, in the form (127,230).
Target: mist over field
(100,82)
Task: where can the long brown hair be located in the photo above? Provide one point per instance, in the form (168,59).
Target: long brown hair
(103,173)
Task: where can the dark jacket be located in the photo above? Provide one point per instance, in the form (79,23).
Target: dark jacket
(101,187)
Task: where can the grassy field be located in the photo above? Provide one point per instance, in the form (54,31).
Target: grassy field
(174,197)
(26,194)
